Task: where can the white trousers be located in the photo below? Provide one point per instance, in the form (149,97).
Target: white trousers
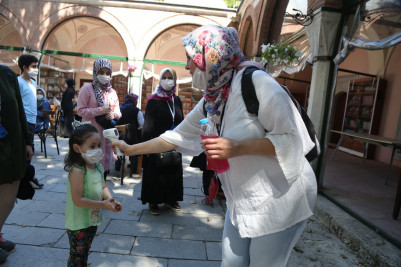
(271,250)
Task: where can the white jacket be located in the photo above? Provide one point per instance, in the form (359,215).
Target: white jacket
(264,194)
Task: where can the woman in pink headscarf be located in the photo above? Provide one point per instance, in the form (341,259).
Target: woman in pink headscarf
(270,186)
(99,98)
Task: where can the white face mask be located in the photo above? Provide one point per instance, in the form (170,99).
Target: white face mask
(33,73)
(167,84)
(199,79)
(92,155)
(40,97)
(103,79)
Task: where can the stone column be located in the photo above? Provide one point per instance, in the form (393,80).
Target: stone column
(321,37)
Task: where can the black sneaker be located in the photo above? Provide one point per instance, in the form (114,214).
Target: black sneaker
(3,256)
(154,209)
(5,244)
(35,184)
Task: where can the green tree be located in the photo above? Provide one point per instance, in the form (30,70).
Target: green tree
(232,3)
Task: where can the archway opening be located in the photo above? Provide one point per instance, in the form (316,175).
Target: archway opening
(11,44)
(166,51)
(71,48)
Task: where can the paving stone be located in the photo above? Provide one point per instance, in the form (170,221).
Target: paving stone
(211,220)
(197,233)
(26,217)
(112,243)
(37,256)
(201,208)
(59,188)
(47,206)
(132,228)
(167,216)
(115,260)
(33,235)
(192,263)
(168,248)
(213,250)
(45,195)
(54,221)
(193,192)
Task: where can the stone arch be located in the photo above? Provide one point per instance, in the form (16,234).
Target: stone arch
(16,22)
(60,16)
(163,25)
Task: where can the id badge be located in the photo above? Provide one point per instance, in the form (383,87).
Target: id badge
(3,131)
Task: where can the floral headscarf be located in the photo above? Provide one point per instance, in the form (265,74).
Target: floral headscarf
(162,94)
(97,86)
(215,49)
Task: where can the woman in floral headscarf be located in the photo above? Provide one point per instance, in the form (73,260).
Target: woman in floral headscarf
(270,186)
(99,98)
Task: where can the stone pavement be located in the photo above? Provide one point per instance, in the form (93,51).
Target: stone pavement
(134,237)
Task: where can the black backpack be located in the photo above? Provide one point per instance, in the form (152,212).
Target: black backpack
(252,105)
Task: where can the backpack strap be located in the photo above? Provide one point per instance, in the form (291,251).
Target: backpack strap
(248,91)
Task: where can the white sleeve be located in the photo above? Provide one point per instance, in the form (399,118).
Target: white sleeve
(284,125)
(186,135)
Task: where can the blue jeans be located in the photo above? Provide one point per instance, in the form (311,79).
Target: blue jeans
(264,251)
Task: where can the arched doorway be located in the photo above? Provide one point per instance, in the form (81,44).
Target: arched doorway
(11,44)
(164,51)
(71,48)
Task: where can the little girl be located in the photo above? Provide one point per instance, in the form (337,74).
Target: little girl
(86,192)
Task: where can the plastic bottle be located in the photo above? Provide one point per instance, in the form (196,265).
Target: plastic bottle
(208,130)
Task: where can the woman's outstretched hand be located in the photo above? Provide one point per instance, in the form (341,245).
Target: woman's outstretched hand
(121,145)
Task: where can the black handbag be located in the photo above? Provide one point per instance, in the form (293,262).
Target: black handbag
(25,189)
(167,159)
(104,122)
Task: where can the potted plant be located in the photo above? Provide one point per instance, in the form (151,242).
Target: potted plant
(276,57)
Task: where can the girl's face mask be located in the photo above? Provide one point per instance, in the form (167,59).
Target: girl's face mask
(103,79)
(199,79)
(92,155)
(40,97)
(167,84)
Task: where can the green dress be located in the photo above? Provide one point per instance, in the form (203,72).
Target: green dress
(80,218)
(12,115)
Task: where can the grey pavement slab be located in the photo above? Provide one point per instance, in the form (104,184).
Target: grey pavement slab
(169,248)
(193,191)
(58,188)
(54,220)
(27,217)
(33,235)
(213,250)
(192,263)
(178,218)
(37,257)
(46,206)
(132,228)
(46,195)
(112,243)
(190,232)
(115,260)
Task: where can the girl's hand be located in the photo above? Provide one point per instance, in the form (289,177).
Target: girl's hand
(108,204)
(110,116)
(106,109)
(121,145)
(220,148)
(117,205)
